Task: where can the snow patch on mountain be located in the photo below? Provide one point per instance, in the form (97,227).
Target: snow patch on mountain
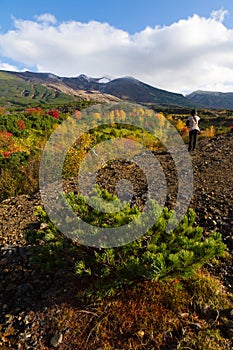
(104,80)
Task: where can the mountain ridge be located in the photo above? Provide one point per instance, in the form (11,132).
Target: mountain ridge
(47,87)
(207,99)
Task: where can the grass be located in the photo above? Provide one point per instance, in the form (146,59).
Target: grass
(6,76)
(147,315)
(17,91)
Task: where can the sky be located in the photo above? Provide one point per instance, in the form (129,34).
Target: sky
(180,46)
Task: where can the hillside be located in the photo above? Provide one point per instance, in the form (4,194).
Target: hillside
(17,91)
(23,88)
(28,87)
(133,90)
(39,308)
(32,89)
(211,99)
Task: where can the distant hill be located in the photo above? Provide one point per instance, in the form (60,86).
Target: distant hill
(41,88)
(17,91)
(23,88)
(128,88)
(211,99)
(27,87)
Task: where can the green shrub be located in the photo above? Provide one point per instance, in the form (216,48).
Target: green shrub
(159,254)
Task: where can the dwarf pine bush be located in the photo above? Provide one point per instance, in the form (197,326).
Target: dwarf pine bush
(158,254)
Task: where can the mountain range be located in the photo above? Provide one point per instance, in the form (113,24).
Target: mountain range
(24,88)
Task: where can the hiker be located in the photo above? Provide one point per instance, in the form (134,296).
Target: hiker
(194,130)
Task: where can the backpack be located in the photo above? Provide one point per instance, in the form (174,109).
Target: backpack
(187,122)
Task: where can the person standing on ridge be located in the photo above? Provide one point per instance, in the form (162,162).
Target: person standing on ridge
(194,130)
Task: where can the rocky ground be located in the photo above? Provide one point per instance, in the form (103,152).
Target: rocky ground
(25,294)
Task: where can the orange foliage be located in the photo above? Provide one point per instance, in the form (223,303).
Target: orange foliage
(184,131)
(7,146)
(170,118)
(209,132)
(77,114)
(21,125)
(2,111)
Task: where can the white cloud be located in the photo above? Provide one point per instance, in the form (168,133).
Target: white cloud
(46,18)
(7,66)
(219,15)
(193,53)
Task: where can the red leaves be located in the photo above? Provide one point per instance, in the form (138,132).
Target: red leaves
(5,135)
(7,154)
(184,130)
(7,147)
(21,125)
(54,113)
(36,111)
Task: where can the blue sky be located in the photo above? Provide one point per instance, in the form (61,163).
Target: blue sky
(129,15)
(179,45)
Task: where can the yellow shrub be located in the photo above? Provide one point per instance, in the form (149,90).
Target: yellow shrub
(209,132)
(180,125)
